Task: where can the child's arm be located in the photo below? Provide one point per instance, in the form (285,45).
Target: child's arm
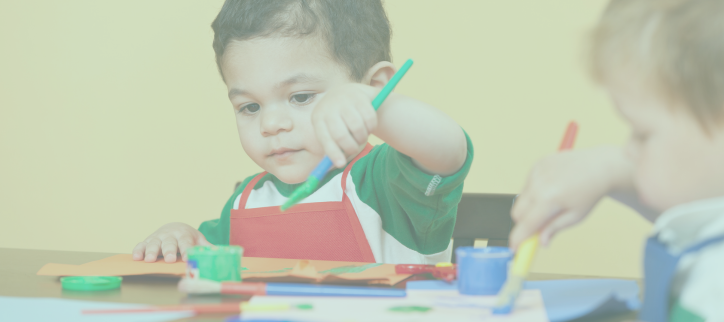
(168,240)
(563,188)
(344,119)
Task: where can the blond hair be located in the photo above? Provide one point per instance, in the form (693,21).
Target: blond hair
(677,44)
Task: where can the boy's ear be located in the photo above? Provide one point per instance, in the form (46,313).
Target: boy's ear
(379,74)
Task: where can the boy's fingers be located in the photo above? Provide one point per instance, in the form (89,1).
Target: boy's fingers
(330,147)
(138,251)
(152,248)
(536,218)
(356,126)
(169,248)
(202,241)
(367,114)
(562,221)
(340,134)
(184,243)
(520,207)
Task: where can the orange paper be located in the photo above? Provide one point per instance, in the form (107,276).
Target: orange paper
(256,269)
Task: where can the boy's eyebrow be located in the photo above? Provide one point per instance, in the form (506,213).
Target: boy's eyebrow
(235,91)
(299,78)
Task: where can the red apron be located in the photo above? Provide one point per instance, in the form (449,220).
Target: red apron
(321,231)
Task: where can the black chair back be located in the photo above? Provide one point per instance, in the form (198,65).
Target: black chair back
(483,216)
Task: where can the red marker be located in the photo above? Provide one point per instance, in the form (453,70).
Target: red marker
(446,272)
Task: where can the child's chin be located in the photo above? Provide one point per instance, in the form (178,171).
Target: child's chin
(291,175)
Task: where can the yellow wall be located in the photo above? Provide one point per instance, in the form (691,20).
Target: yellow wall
(113,119)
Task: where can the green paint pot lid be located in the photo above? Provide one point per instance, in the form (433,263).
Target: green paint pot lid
(91,283)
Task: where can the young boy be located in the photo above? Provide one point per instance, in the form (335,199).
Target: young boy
(663,64)
(301,75)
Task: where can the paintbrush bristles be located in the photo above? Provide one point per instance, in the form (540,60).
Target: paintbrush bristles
(199,286)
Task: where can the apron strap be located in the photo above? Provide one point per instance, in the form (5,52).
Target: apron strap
(701,245)
(247,190)
(364,152)
(659,271)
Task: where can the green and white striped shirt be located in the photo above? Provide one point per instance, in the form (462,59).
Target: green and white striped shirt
(407,215)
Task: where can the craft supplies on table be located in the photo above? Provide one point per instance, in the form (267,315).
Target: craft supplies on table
(255,269)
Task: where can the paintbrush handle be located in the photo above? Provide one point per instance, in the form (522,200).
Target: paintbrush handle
(569,137)
(308,290)
(196,308)
(331,290)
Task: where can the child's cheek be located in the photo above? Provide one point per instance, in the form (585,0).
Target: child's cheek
(651,184)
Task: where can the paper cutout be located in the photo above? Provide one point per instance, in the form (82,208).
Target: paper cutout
(529,308)
(350,269)
(570,299)
(258,270)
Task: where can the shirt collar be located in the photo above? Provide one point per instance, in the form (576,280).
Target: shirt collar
(684,225)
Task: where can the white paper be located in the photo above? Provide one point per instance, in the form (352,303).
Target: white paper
(61,310)
(447,305)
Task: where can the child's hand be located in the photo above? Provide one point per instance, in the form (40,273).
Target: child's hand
(169,239)
(344,119)
(563,188)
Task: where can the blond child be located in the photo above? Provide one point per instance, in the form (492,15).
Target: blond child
(662,61)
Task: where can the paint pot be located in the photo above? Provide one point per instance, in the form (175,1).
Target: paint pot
(216,263)
(482,271)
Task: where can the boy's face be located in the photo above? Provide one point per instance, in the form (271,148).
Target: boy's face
(676,161)
(274,84)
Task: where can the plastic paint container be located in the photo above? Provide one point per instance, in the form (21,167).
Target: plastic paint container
(482,271)
(216,263)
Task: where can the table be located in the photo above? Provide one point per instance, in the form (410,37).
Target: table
(19,279)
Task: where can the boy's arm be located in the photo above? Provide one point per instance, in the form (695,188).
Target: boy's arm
(416,208)
(561,190)
(344,119)
(433,140)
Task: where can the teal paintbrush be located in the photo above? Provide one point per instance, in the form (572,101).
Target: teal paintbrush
(323,167)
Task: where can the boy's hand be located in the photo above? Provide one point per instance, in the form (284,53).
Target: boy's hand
(563,188)
(344,119)
(169,239)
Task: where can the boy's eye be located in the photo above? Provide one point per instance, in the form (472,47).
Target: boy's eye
(250,108)
(302,98)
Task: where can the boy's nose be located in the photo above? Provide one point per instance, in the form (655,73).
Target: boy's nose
(274,121)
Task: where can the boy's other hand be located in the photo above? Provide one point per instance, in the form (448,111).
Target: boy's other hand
(169,240)
(563,188)
(343,120)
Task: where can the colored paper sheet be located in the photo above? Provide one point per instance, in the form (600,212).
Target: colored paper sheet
(571,299)
(62,310)
(255,269)
(419,305)
(566,300)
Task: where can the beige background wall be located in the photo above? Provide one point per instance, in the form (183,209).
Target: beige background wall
(114,121)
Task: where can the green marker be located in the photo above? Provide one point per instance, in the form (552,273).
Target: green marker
(321,170)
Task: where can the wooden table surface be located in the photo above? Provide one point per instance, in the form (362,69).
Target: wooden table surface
(19,279)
